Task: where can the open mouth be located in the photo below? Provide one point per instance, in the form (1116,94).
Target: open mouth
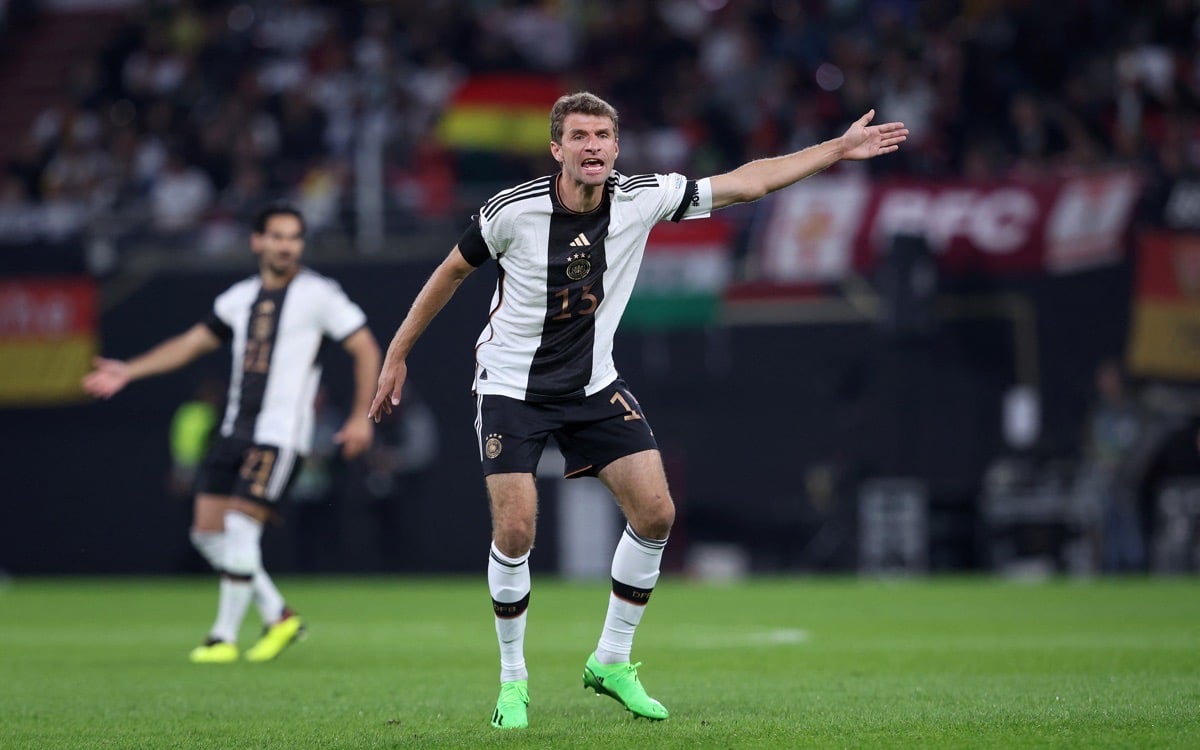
(592,165)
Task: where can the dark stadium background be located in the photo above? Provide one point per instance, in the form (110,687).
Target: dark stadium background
(747,411)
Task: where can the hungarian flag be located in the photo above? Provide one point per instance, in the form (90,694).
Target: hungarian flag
(506,113)
(686,269)
(47,339)
(1165,334)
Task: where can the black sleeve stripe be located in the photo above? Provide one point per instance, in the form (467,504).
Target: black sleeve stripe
(689,192)
(219,328)
(493,206)
(639,181)
(472,245)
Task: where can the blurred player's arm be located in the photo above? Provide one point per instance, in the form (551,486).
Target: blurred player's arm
(755,179)
(111,375)
(357,433)
(437,291)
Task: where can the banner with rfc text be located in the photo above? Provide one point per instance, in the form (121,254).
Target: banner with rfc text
(48,337)
(828,227)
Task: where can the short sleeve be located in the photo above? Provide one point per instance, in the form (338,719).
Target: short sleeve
(341,317)
(669,197)
(697,201)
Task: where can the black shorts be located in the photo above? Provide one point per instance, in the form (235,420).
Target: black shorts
(239,468)
(591,432)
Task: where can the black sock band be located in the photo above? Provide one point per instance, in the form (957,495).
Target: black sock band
(510,610)
(631,594)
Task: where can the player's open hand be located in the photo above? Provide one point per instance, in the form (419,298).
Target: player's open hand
(354,437)
(110,376)
(387,395)
(865,141)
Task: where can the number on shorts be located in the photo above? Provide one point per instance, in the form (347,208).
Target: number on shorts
(257,470)
(632,415)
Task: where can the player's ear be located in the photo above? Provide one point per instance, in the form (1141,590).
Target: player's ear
(556,152)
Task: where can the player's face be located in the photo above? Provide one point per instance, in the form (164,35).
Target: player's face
(588,150)
(280,245)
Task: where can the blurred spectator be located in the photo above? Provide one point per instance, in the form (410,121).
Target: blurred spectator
(398,468)
(1111,469)
(317,490)
(191,430)
(984,87)
(180,196)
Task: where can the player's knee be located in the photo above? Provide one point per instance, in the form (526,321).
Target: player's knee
(243,553)
(656,519)
(513,539)
(210,545)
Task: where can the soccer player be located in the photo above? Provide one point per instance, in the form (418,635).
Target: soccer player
(569,246)
(275,322)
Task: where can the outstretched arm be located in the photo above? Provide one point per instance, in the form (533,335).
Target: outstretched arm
(437,291)
(755,179)
(356,434)
(111,375)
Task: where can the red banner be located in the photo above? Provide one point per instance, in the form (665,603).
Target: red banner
(824,228)
(47,338)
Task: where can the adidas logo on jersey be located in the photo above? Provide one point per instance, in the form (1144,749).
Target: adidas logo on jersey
(580,241)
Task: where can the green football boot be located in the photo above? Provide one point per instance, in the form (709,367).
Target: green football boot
(277,637)
(214,652)
(620,681)
(512,706)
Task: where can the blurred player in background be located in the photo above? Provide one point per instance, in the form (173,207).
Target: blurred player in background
(569,246)
(274,322)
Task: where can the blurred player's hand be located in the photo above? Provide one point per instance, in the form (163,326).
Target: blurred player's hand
(354,437)
(110,376)
(391,383)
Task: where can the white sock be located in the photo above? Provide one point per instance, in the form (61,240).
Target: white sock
(266,597)
(210,545)
(508,581)
(242,558)
(635,569)
(268,600)
(231,609)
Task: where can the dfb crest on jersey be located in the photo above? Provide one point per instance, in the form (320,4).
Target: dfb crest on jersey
(579,266)
(493,446)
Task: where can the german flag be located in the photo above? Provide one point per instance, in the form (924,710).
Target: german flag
(1165,334)
(504,113)
(48,337)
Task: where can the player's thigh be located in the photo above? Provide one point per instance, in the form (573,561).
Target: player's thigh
(512,494)
(639,484)
(208,512)
(604,428)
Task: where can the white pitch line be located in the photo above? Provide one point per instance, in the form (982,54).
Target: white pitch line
(709,639)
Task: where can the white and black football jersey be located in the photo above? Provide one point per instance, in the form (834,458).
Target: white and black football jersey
(275,335)
(565,279)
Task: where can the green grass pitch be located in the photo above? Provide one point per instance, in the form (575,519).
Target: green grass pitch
(767,663)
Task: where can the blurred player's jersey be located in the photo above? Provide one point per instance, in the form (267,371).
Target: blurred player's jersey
(276,334)
(565,279)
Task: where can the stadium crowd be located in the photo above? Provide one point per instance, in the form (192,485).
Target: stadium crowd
(196,111)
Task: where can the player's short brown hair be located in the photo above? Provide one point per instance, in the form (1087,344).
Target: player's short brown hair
(270,211)
(579,103)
